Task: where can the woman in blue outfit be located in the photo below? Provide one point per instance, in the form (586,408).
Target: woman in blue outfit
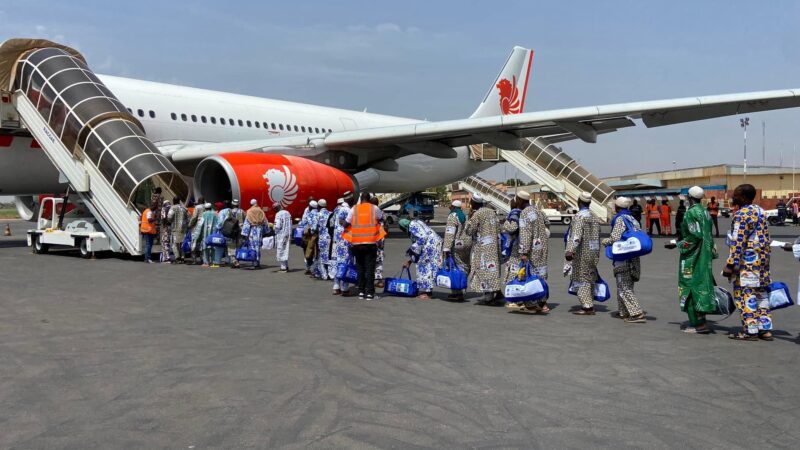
(426,250)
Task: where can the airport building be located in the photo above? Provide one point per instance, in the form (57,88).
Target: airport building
(772,182)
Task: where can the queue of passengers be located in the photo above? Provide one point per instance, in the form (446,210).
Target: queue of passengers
(213,234)
(493,255)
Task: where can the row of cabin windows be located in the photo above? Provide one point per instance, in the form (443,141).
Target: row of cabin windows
(249,124)
(231,122)
(140,113)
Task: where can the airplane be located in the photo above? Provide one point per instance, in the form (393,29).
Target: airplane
(239,147)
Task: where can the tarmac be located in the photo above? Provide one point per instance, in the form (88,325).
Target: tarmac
(114,353)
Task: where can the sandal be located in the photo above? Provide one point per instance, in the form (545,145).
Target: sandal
(424,297)
(766,336)
(639,318)
(693,330)
(584,312)
(742,336)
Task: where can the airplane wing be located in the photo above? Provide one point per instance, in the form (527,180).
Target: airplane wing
(437,139)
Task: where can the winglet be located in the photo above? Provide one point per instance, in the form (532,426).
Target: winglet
(507,94)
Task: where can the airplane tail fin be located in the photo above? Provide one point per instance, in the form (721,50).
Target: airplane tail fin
(507,94)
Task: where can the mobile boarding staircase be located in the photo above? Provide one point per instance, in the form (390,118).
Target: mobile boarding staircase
(88,134)
(548,165)
(496,197)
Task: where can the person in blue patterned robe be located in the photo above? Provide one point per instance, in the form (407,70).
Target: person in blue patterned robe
(310,223)
(324,242)
(426,251)
(253,230)
(341,248)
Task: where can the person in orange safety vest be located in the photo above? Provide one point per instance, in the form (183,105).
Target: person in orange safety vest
(148,229)
(364,229)
(666,217)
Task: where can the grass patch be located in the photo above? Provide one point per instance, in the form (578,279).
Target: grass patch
(8,213)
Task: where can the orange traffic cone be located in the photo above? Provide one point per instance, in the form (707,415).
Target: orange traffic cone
(7,232)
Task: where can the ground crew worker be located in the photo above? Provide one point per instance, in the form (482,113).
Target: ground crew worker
(653,217)
(748,266)
(636,211)
(629,271)
(666,217)
(148,229)
(583,253)
(713,210)
(781,212)
(695,277)
(363,231)
(679,214)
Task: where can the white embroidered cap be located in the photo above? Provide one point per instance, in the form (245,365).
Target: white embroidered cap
(696,192)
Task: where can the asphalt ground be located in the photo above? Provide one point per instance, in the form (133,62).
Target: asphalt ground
(114,353)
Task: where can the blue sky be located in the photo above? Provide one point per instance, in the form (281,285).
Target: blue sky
(436,59)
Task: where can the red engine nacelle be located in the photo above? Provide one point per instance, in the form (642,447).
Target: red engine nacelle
(269,178)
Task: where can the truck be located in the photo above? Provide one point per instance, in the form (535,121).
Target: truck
(556,216)
(772,214)
(67,225)
(420,206)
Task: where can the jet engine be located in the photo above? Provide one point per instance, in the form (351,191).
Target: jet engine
(269,178)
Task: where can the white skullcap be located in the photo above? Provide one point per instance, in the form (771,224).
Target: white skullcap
(207,205)
(344,204)
(696,192)
(456,203)
(313,204)
(339,201)
(623,202)
(477,198)
(253,202)
(525,195)
(322,202)
(585,197)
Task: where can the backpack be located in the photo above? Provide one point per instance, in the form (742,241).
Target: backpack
(230,227)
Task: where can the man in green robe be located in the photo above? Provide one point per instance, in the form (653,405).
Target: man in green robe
(695,277)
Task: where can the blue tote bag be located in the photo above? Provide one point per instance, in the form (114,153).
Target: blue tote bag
(401,287)
(216,239)
(601,292)
(779,296)
(347,272)
(531,288)
(633,244)
(186,245)
(450,276)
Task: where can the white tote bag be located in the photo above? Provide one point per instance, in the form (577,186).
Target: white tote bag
(268,243)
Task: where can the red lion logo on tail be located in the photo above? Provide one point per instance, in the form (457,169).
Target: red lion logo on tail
(509,96)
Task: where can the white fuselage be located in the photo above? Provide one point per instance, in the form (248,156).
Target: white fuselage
(179,115)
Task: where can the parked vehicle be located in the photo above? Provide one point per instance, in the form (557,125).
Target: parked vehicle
(74,228)
(556,216)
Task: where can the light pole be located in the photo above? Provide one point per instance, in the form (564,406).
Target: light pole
(744,123)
